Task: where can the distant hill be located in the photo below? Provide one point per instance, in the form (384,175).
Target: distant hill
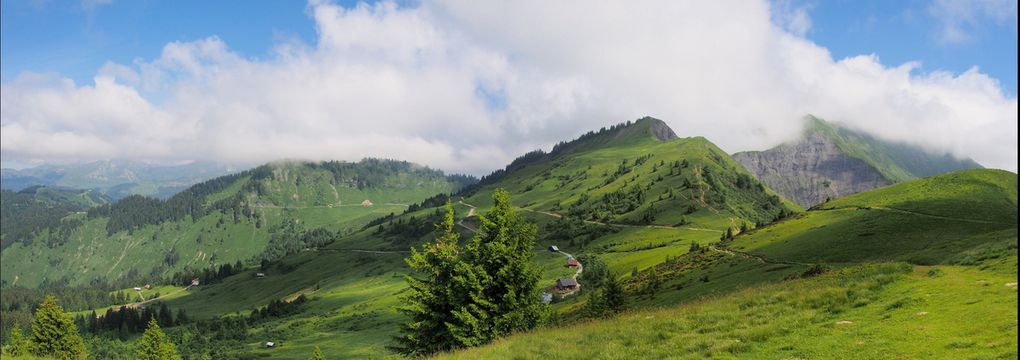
(262,213)
(26,212)
(116,178)
(831,161)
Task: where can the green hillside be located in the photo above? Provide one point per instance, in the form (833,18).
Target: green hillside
(886,273)
(26,212)
(926,221)
(262,213)
(632,195)
(890,273)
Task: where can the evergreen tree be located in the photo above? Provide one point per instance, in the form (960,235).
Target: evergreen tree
(612,294)
(503,248)
(654,283)
(18,345)
(317,355)
(54,333)
(441,299)
(155,345)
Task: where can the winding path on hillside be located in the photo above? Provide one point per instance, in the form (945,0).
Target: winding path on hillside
(555,215)
(758,258)
(146,302)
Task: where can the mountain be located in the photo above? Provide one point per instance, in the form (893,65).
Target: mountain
(831,161)
(258,214)
(712,262)
(30,210)
(116,178)
(888,273)
(632,195)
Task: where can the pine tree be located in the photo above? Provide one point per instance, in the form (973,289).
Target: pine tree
(503,248)
(155,345)
(613,298)
(54,333)
(17,344)
(439,303)
(317,355)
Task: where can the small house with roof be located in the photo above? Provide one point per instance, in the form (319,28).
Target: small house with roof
(554,248)
(566,284)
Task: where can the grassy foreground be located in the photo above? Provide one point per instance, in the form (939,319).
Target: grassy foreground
(890,310)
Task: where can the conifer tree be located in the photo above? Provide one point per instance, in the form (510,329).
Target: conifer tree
(440,300)
(317,355)
(18,345)
(503,248)
(155,345)
(612,294)
(54,333)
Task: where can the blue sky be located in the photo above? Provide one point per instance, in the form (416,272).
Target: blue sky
(75,38)
(467,85)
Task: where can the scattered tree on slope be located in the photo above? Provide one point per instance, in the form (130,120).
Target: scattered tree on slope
(155,345)
(54,333)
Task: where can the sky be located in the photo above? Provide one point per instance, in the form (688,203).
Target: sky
(466,86)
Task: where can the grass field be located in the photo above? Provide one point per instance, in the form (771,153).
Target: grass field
(890,311)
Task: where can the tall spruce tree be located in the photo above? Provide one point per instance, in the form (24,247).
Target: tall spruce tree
(155,345)
(54,333)
(440,301)
(503,248)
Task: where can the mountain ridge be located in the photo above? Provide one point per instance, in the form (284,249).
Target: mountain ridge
(830,161)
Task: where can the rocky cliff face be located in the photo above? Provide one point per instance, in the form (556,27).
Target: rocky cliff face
(811,170)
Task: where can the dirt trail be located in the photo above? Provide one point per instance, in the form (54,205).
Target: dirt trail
(555,215)
(757,258)
(143,303)
(580,269)
(471,213)
(364,251)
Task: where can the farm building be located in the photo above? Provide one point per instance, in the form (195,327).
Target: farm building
(554,248)
(260,275)
(572,262)
(194,282)
(366,203)
(270,345)
(147,286)
(138,289)
(566,284)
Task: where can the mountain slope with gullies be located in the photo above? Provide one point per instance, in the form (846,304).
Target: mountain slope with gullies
(830,161)
(262,213)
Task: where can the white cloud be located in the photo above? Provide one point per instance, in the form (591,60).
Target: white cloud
(790,16)
(959,18)
(467,86)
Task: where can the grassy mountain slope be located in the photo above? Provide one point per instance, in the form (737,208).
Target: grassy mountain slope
(925,221)
(27,211)
(670,193)
(262,213)
(830,161)
(885,311)
(874,305)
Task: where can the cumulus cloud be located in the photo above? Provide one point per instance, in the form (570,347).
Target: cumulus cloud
(466,86)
